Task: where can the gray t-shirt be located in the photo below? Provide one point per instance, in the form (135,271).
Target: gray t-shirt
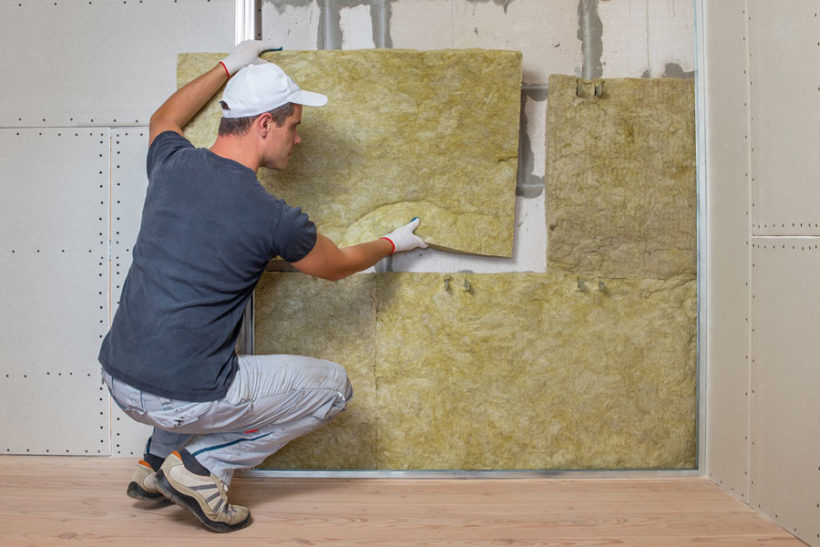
(208,231)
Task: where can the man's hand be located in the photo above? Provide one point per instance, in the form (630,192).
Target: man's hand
(246,53)
(183,105)
(403,238)
(328,261)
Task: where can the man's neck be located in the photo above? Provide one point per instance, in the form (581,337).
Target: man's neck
(236,149)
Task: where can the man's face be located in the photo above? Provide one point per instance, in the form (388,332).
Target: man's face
(281,140)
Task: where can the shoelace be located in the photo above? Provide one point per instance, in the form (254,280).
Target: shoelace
(227,508)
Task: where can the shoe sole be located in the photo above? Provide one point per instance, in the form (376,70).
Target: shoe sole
(190,503)
(139,493)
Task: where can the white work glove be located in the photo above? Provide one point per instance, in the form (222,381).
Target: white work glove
(403,238)
(246,53)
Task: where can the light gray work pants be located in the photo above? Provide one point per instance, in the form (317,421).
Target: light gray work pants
(273,399)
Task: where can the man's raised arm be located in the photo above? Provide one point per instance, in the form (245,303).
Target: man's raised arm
(182,106)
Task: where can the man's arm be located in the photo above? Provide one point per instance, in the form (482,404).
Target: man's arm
(182,106)
(328,261)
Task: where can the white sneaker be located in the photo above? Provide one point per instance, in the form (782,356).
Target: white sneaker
(205,497)
(142,486)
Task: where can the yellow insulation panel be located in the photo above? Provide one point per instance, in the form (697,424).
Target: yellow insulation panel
(621,182)
(495,371)
(429,134)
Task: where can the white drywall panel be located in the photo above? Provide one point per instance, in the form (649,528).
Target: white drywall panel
(293,25)
(129,181)
(54,266)
(728,245)
(785,102)
(104,63)
(649,39)
(785,449)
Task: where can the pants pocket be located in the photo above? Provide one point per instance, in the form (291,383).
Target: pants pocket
(128,401)
(177,414)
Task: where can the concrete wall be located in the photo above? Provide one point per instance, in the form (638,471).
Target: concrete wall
(585,38)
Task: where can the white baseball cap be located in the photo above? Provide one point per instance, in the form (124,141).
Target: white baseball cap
(260,88)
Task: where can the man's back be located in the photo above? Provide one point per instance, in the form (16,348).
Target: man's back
(208,231)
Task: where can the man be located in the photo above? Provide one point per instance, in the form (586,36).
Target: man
(208,230)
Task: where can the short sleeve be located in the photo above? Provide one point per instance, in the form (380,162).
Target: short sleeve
(165,144)
(296,234)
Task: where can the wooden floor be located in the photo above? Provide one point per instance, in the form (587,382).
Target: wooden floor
(82,501)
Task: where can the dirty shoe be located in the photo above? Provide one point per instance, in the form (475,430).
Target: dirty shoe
(205,496)
(142,486)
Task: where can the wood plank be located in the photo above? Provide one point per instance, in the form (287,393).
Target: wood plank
(47,500)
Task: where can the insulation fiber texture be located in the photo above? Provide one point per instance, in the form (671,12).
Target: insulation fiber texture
(297,314)
(493,371)
(432,134)
(621,186)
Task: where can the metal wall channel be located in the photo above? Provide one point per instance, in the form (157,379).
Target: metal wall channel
(248,27)
(702,233)
(456,474)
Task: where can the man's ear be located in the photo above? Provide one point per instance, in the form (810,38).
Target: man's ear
(264,124)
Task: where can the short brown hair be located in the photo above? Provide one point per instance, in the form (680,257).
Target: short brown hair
(240,126)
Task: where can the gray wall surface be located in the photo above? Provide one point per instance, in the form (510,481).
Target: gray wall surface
(761,118)
(81,81)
